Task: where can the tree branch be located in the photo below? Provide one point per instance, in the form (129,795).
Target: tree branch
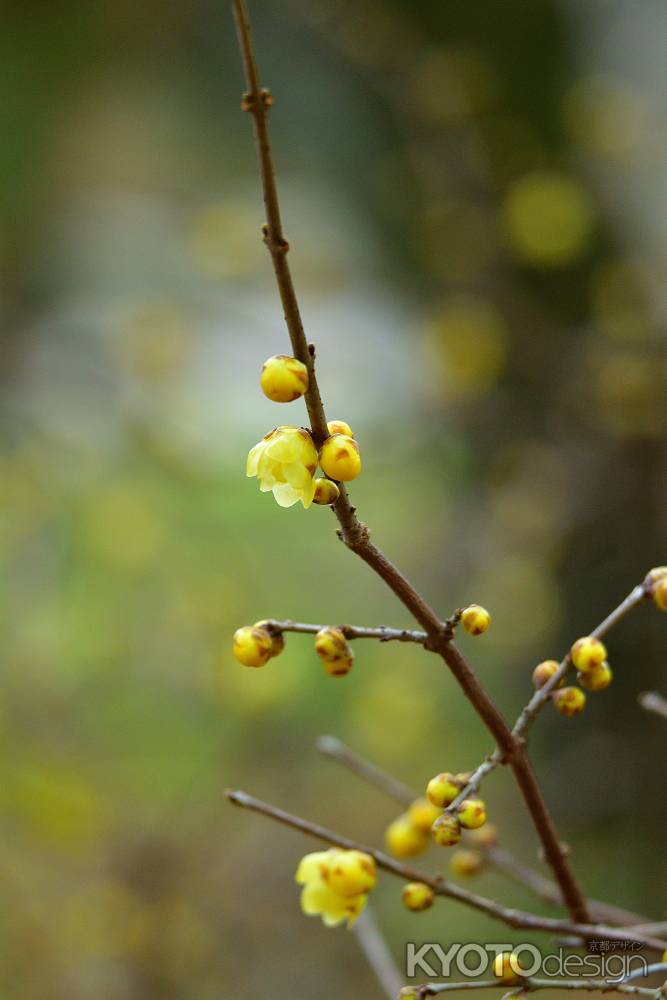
(381,632)
(373,944)
(441,887)
(530,985)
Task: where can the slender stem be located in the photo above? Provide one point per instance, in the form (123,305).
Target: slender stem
(332,747)
(441,887)
(653,702)
(650,970)
(381,632)
(374,946)
(530,985)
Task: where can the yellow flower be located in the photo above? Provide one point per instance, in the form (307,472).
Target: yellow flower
(340,427)
(423,814)
(598,679)
(403,839)
(472,813)
(475,619)
(285,461)
(443,789)
(464,863)
(446,830)
(588,653)
(544,671)
(253,646)
(326,492)
(569,701)
(320,898)
(507,969)
(417,896)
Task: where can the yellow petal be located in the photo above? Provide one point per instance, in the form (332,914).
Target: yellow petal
(310,866)
(286,495)
(253,459)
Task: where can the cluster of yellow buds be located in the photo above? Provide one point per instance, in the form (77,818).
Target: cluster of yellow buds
(589,656)
(655,585)
(441,792)
(336,884)
(286,459)
(475,619)
(408,834)
(254,645)
(334,651)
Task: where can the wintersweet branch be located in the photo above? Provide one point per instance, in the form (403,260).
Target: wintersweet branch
(372,943)
(653,702)
(381,632)
(500,858)
(441,887)
(530,986)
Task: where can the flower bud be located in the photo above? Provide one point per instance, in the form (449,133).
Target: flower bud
(472,813)
(443,789)
(340,667)
(417,896)
(252,646)
(423,814)
(404,840)
(283,379)
(660,594)
(277,638)
(446,830)
(331,644)
(465,863)
(588,653)
(569,701)
(326,492)
(486,836)
(340,458)
(475,619)
(506,968)
(340,427)
(543,672)
(653,576)
(350,872)
(598,679)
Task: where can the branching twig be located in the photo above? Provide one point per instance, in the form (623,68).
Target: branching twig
(441,887)
(381,632)
(497,856)
(530,985)
(653,702)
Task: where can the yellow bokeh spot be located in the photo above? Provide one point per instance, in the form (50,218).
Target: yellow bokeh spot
(467,341)
(123,527)
(549,219)
(605,116)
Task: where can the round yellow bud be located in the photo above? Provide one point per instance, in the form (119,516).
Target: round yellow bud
(340,427)
(410,993)
(423,814)
(326,492)
(543,672)
(486,836)
(350,873)
(506,968)
(404,840)
(472,813)
(252,646)
(653,575)
(569,701)
(598,679)
(340,458)
(417,896)
(443,789)
(660,594)
(283,379)
(446,830)
(331,645)
(464,863)
(475,619)
(277,638)
(340,667)
(588,653)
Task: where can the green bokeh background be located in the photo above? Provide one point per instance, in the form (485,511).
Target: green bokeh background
(473,197)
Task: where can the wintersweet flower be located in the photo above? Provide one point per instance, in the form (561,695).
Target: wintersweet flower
(285,461)
(335,884)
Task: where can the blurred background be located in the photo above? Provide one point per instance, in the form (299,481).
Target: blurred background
(474,198)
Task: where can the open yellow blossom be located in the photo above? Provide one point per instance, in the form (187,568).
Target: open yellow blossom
(284,461)
(319,896)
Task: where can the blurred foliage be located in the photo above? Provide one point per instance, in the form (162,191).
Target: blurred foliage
(472,195)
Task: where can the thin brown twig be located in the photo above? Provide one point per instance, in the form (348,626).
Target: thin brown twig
(653,702)
(531,985)
(441,887)
(355,534)
(500,858)
(383,633)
